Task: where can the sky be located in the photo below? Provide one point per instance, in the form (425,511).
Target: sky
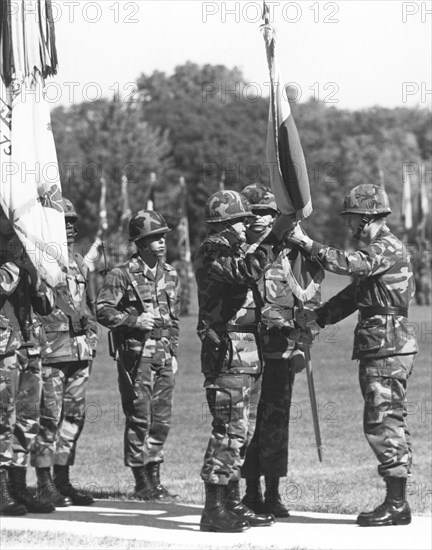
(350,54)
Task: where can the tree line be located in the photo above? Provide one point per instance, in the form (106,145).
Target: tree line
(179,125)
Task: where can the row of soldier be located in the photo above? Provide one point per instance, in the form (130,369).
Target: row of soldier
(252,340)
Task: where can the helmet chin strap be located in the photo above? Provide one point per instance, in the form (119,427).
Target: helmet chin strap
(366,220)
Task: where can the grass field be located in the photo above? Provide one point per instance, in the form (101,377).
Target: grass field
(347,479)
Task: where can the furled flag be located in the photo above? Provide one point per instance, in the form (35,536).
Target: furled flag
(423,203)
(406,213)
(288,172)
(30,193)
(288,175)
(125,210)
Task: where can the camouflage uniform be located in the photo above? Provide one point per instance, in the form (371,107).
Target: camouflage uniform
(229,317)
(382,290)
(145,357)
(20,362)
(71,339)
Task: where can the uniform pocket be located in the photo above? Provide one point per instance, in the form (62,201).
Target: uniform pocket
(244,351)
(5,334)
(369,335)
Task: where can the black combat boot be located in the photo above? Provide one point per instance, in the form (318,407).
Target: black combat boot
(34,503)
(253,498)
(153,471)
(394,510)
(215,516)
(273,503)
(48,491)
(8,505)
(144,489)
(234,504)
(65,487)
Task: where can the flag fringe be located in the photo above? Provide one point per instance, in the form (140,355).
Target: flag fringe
(23,55)
(303,294)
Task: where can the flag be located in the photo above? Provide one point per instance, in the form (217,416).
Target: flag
(126,213)
(423,203)
(288,176)
(30,193)
(183,227)
(406,213)
(151,194)
(288,172)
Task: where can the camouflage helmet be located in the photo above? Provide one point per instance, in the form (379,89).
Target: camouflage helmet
(226,205)
(145,223)
(366,199)
(260,197)
(68,209)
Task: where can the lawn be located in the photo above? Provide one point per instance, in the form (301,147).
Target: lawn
(346,480)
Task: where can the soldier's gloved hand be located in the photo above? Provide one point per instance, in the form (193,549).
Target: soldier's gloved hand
(304,317)
(303,336)
(297,360)
(174,364)
(299,237)
(145,321)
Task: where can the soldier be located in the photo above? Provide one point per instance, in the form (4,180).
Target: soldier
(229,325)
(21,294)
(139,301)
(71,340)
(267,453)
(382,290)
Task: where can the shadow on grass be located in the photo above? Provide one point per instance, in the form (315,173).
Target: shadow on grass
(160,515)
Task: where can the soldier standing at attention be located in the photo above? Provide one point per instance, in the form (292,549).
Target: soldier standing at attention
(267,453)
(382,290)
(22,294)
(228,326)
(140,301)
(71,340)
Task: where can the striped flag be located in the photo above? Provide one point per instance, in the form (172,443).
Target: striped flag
(288,172)
(30,193)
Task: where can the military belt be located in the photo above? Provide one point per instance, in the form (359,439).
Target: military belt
(230,327)
(383,310)
(158,333)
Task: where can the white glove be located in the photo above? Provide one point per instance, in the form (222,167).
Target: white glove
(174,364)
(145,321)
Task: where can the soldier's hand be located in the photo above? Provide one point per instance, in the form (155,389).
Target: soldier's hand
(303,336)
(174,364)
(145,321)
(304,317)
(297,360)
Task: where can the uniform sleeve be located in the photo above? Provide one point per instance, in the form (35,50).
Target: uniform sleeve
(175,313)
(114,288)
(372,260)
(228,265)
(42,298)
(9,278)
(337,308)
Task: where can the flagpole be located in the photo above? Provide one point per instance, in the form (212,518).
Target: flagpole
(312,393)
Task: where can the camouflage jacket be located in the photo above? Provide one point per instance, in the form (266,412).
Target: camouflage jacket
(118,308)
(71,328)
(278,310)
(19,300)
(228,297)
(382,277)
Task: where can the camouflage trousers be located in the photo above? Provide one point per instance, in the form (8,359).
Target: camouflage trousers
(267,453)
(63,408)
(20,393)
(233,402)
(148,414)
(385,413)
